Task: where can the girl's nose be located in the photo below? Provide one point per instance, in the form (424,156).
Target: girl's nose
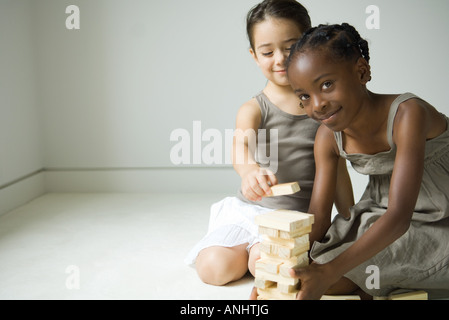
(280,57)
(319,105)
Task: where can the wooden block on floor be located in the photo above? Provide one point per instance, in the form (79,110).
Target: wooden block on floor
(340,297)
(284,189)
(284,220)
(274,294)
(412,295)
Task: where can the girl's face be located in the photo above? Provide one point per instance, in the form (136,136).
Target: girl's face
(273,39)
(330,92)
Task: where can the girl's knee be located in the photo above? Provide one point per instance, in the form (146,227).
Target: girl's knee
(217,267)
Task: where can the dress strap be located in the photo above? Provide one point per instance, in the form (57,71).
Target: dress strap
(339,140)
(392,114)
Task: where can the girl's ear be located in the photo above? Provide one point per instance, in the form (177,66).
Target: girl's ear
(363,70)
(253,54)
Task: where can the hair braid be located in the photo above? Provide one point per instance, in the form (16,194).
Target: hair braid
(343,42)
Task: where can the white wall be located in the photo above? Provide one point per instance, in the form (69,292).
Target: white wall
(20,139)
(102,101)
(135,71)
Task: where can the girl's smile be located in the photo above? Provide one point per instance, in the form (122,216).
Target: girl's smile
(328,91)
(329,117)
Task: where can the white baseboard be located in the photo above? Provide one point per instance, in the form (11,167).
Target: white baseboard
(177,180)
(21,192)
(132,180)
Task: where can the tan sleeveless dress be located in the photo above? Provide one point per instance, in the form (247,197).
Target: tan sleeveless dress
(420,258)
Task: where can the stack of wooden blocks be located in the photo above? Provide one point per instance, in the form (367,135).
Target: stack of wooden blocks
(285,244)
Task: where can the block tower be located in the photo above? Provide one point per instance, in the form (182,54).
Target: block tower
(285,244)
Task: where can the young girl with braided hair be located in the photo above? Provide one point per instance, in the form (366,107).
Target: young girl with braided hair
(401,223)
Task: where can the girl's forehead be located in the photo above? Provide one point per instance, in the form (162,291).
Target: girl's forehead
(275,29)
(311,64)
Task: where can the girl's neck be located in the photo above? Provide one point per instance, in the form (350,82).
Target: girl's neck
(371,117)
(278,90)
(283,97)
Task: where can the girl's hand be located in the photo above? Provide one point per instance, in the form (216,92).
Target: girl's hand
(315,279)
(257,183)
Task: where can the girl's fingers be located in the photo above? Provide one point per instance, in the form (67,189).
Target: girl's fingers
(266,179)
(296,273)
(271,177)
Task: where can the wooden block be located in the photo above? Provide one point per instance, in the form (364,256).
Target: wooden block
(284,220)
(340,297)
(293,259)
(263,284)
(270,232)
(295,234)
(284,189)
(269,265)
(274,294)
(275,233)
(412,295)
(284,251)
(287,288)
(262,275)
(291,243)
(301,261)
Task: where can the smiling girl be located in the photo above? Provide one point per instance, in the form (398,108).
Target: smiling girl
(401,224)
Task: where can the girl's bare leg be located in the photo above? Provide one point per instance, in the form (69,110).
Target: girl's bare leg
(220,265)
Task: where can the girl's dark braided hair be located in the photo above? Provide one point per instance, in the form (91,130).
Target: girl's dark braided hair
(342,42)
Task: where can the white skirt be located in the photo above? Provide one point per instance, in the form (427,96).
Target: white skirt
(231,224)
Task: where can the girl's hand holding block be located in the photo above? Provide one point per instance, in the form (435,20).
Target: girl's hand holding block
(284,189)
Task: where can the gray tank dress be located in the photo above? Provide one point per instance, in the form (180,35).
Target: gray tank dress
(294,160)
(420,258)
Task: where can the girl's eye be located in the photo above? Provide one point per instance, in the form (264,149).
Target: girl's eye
(288,49)
(304,97)
(266,54)
(327,84)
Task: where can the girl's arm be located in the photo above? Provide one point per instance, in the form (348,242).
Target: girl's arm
(344,197)
(410,130)
(324,186)
(254,179)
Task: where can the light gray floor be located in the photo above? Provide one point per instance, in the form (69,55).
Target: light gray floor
(116,246)
(109,246)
